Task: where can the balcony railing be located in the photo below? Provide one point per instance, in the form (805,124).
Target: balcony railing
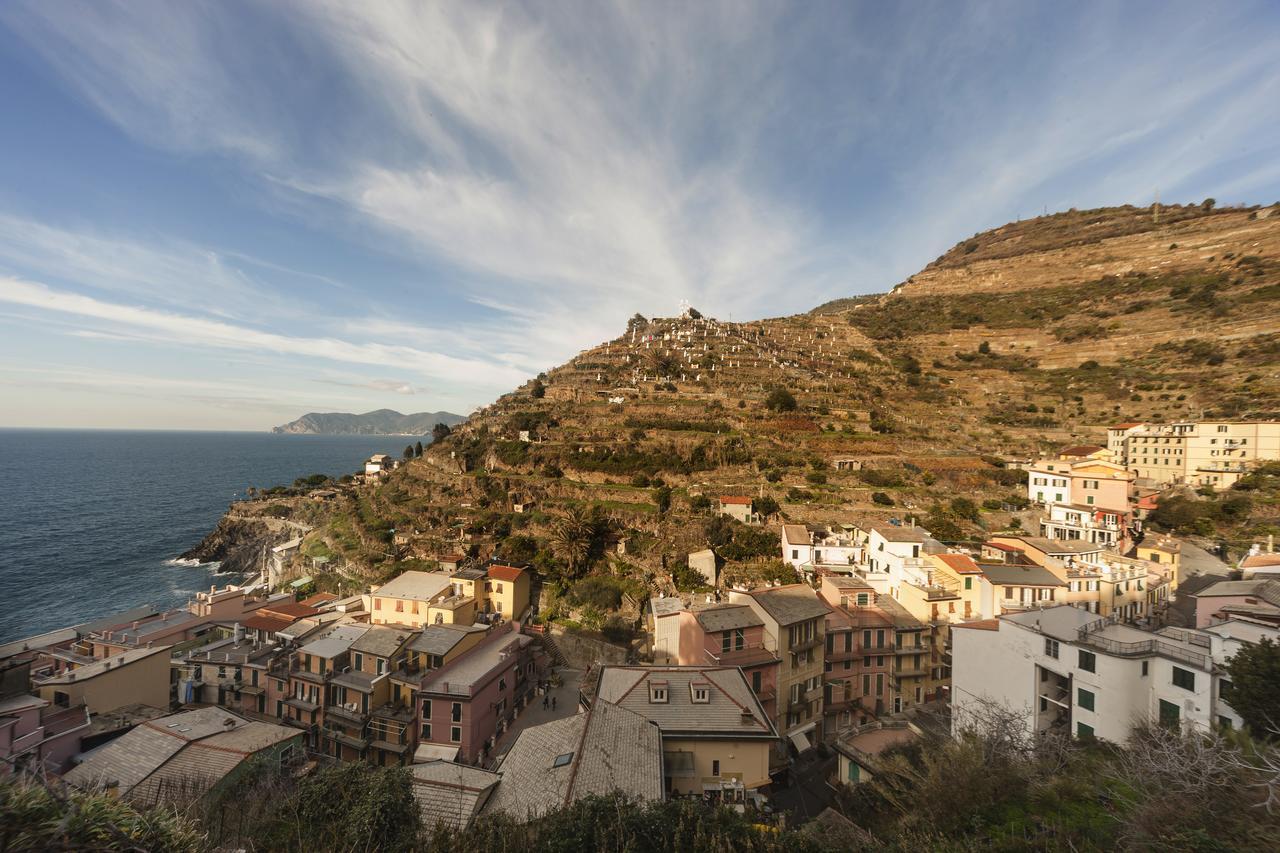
(751,653)
(348,711)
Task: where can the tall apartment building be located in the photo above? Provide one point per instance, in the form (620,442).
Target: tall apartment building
(1195,453)
(794,620)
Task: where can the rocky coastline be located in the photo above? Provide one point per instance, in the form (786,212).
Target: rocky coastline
(241,543)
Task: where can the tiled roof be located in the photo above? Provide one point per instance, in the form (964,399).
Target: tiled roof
(269,624)
(740,500)
(450,794)
(790,604)
(1080,450)
(980,624)
(603,750)
(890,533)
(961,563)
(505,573)
(204,763)
(441,639)
(731,709)
(726,617)
(1002,573)
(477,666)
(1254,561)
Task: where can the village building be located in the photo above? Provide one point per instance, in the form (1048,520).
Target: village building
(66,679)
(417,599)
(795,624)
(716,736)
(34,735)
(1062,669)
(739,507)
(858,749)
(1194,453)
(449,795)
(604,750)
(307,673)
(361,720)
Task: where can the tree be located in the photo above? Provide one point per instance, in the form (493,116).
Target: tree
(417,449)
(577,535)
(537,390)
(780,400)
(1255,686)
(964,508)
(984,347)
(408,452)
(439,433)
(881,498)
(767,507)
(662,497)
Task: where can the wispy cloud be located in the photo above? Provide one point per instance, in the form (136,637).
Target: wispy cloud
(186,330)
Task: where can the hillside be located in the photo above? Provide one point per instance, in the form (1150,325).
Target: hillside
(378,422)
(1019,340)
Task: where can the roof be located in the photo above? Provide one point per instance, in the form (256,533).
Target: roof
(795,534)
(1127,425)
(1062,622)
(505,573)
(1268,591)
(382,641)
(847,581)
(742,500)
(441,639)
(603,750)
(99,667)
(1003,573)
(1254,561)
(979,624)
(292,609)
(732,710)
(269,624)
(419,586)
(1080,450)
(1057,546)
(450,794)
(961,563)
(180,751)
(872,741)
(890,533)
(790,604)
(476,666)
(336,641)
(666,606)
(726,617)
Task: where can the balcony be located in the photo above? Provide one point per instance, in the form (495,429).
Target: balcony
(805,645)
(301,704)
(400,713)
(349,711)
(356,743)
(911,650)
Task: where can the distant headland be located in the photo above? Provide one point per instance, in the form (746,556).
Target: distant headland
(379,422)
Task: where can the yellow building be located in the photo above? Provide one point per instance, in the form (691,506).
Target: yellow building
(961,573)
(716,736)
(496,589)
(407,599)
(1167,553)
(132,677)
(1197,453)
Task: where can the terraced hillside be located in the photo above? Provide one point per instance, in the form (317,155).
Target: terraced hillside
(1020,339)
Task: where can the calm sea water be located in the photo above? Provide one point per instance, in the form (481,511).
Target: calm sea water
(89,518)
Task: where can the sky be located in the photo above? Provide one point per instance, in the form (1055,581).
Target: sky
(223,215)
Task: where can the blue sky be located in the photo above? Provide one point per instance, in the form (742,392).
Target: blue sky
(221,215)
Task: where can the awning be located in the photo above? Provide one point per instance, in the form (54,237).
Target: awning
(800,740)
(301,582)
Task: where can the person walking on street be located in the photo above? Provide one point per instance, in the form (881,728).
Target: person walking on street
(544,701)
(553,703)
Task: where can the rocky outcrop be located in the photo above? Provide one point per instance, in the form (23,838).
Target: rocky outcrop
(380,422)
(240,542)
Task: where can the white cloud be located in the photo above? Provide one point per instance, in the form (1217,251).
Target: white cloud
(185,330)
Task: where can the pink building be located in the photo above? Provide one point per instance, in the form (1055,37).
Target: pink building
(1260,599)
(732,635)
(469,702)
(31,735)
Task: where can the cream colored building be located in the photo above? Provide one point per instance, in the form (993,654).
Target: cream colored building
(1195,453)
(415,599)
(716,737)
(132,677)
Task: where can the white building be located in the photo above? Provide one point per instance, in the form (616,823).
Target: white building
(836,549)
(1070,522)
(897,555)
(1064,669)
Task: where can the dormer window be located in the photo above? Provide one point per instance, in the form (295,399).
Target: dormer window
(658,691)
(699,692)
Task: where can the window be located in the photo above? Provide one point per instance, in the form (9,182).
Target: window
(739,638)
(1088,661)
(426,709)
(755,681)
(968,583)
(1184,678)
(562,760)
(1144,669)
(455,734)
(1050,647)
(1084,698)
(359,664)
(1224,690)
(457,712)
(866,639)
(863,599)
(854,770)
(715,767)
(426,731)
(1168,713)
(699,693)
(658,691)
(1084,731)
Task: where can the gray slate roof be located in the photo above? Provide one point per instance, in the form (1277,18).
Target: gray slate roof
(726,617)
(335,641)
(1001,573)
(450,794)
(790,604)
(722,715)
(608,748)
(381,641)
(441,639)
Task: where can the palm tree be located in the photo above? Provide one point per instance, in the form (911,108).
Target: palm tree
(573,536)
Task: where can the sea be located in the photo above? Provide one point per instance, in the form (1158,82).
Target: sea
(92,521)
